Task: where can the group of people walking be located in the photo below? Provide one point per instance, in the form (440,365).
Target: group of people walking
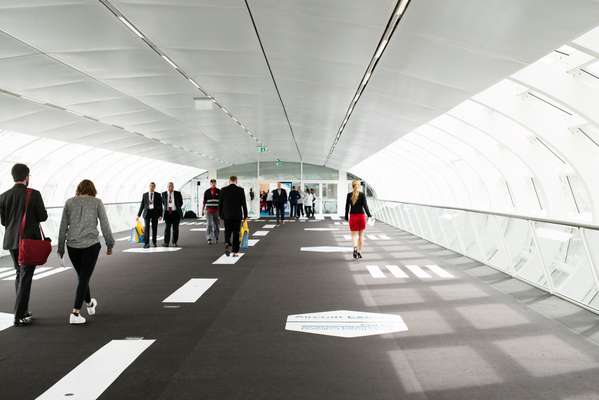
(301,203)
(21,212)
(167,205)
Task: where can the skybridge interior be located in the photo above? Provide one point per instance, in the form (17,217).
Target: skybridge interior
(471,126)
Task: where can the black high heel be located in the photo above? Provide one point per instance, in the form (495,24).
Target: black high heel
(355,253)
(359,254)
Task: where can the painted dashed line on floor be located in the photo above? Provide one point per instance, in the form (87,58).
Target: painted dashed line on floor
(268,226)
(228,260)
(252,242)
(260,233)
(377,273)
(40,273)
(191,291)
(370,236)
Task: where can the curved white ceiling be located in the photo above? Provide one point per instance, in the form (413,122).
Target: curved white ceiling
(75,54)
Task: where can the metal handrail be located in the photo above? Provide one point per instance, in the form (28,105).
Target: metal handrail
(501,214)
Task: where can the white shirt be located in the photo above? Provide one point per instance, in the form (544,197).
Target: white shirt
(170,204)
(151,199)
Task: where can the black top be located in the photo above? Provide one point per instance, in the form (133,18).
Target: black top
(177,199)
(294,196)
(12,203)
(279,198)
(210,200)
(144,206)
(360,207)
(232,203)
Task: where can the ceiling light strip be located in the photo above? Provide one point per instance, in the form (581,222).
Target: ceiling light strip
(394,19)
(274,81)
(149,43)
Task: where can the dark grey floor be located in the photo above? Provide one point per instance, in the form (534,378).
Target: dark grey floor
(478,336)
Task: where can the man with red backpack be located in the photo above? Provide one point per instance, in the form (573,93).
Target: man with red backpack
(12,209)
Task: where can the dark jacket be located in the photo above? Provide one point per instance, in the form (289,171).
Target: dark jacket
(360,207)
(232,203)
(279,199)
(294,196)
(144,207)
(178,200)
(12,203)
(210,201)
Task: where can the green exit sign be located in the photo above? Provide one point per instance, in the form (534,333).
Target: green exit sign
(261,149)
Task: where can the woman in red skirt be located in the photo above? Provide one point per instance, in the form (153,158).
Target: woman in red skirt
(356,209)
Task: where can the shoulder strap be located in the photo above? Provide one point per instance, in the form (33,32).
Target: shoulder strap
(24,217)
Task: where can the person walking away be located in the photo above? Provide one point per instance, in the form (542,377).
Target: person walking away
(151,209)
(210,209)
(79,229)
(12,210)
(233,209)
(300,203)
(308,203)
(172,202)
(269,203)
(356,208)
(279,201)
(294,198)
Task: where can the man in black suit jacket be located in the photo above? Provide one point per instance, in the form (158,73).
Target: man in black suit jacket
(151,208)
(172,202)
(12,204)
(279,200)
(232,208)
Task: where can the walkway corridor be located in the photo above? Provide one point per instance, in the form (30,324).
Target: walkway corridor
(473,333)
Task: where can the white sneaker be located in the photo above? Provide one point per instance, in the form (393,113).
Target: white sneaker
(91,307)
(76,319)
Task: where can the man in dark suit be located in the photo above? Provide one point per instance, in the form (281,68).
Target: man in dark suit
(294,197)
(172,202)
(232,208)
(279,200)
(12,205)
(151,208)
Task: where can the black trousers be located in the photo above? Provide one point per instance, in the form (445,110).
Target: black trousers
(150,220)
(171,221)
(293,210)
(22,285)
(280,211)
(269,207)
(84,261)
(232,227)
(300,210)
(308,211)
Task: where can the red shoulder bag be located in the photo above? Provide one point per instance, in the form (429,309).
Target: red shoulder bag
(32,251)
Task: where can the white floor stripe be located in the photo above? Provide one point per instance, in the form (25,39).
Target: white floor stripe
(335,217)
(51,272)
(371,236)
(6,320)
(268,226)
(384,237)
(4,269)
(228,260)
(328,249)
(321,229)
(95,374)
(37,271)
(8,273)
(123,238)
(419,272)
(152,250)
(260,233)
(252,242)
(396,271)
(440,271)
(191,291)
(375,271)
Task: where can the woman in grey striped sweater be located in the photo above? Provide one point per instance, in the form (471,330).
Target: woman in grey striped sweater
(79,229)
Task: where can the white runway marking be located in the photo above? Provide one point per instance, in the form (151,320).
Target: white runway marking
(228,260)
(123,238)
(440,271)
(372,237)
(50,273)
(8,273)
(4,269)
(37,271)
(328,249)
(95,374)
(6,320)
(419,272)
(268,226)
(252,242)
(384,237)
(321,229)
(335,217)
(152,250)
(191,291)
(396,271)
(375,271)
(260,233)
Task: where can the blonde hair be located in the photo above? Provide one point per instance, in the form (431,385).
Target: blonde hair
(356,185)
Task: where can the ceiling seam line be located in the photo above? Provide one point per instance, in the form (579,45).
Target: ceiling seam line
(272,76)
(396,16)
